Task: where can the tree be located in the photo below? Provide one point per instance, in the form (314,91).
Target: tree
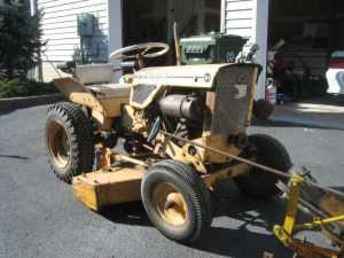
(20,43)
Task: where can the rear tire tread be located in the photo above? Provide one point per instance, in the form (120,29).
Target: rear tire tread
(80,134)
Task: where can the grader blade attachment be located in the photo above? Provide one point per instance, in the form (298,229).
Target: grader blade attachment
(325,207)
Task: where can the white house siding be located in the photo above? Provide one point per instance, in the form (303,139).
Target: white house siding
(249,18)
(60,30)
(60,24)
(239,17)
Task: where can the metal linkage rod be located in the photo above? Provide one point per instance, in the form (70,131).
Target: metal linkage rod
(251,163)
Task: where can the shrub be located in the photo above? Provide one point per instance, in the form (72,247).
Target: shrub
(20,43)
(18,88)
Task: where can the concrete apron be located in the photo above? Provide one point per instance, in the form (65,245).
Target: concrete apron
(308,114)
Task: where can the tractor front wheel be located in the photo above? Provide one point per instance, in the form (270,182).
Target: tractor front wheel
(176,201)
(269,152)
(69,141)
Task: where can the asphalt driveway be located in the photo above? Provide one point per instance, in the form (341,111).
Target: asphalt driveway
(40,218)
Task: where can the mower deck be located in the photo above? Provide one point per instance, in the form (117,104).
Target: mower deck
(100,189)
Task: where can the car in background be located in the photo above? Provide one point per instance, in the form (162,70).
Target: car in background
(335,73)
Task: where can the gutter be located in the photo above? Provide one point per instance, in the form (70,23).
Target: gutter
(33,11)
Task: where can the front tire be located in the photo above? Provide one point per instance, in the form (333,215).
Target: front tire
(69,141)
(176,201)
(269,152)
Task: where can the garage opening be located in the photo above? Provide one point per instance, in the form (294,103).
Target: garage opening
(305,41)
(152,20)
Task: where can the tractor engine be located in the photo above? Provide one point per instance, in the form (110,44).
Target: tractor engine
(187,111)
(210,104)
(224,110)
(188,107)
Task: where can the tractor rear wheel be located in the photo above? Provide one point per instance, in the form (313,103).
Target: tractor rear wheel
(269,152)
(69,141)
(176,201)
(262,109)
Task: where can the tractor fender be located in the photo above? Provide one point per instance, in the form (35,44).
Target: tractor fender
(80,94)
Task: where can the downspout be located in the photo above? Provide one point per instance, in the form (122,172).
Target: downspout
(223,16)
(33,11)
(115,30)
(33,7)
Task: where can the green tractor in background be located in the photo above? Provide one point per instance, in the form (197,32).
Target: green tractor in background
(217,48)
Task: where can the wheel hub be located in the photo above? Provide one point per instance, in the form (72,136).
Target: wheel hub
(170,204)
(58,144)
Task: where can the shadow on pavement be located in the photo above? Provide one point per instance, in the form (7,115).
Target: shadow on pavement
(13,157)
(129,214)
(241,243)
(253,221)
(322,113)
(6,112)
(275,123)
(329,99)
(250,235)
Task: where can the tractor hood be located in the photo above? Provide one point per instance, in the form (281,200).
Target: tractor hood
(191,76)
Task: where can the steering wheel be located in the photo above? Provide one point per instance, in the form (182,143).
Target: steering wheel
(140,51)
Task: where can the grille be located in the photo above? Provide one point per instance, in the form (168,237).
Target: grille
(142,92)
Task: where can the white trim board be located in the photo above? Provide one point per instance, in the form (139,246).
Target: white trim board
(249,18)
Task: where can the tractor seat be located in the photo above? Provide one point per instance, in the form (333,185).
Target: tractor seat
(95,73)
(99,79)
(105,91)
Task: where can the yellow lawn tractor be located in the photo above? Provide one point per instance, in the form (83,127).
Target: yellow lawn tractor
(163,135)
